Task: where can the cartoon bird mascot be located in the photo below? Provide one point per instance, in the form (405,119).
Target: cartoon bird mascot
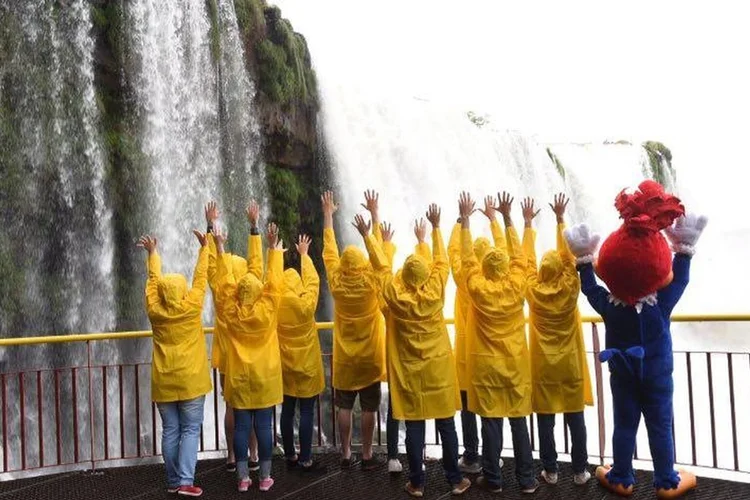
(645,282)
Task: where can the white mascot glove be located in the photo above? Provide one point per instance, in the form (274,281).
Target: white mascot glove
(684,234)
(582,243)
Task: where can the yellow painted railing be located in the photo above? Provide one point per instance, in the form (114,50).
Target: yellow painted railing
(87,337)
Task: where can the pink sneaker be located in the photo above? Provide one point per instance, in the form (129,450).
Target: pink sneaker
(265,484)
(244,485)
(190,491)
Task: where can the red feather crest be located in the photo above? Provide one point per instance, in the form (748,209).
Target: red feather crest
(649,209)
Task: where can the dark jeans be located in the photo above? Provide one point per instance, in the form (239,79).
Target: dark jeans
(306,410)
(492,443)
(547,452)
(391,432)
(262,421)
(469,428)
(415,437)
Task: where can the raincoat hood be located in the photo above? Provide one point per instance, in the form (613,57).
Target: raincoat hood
(249,289)
(239,266)
(551,267)
(495,264)
(482,245)
(293,282)
(415,271)
(172,289)
(353,260)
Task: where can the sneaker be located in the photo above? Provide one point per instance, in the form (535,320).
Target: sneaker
(460,488)
(372,463)
(253,465)
(413,490)
(582,478)
(394,466)
(549,477)
(190,491)
(292,464)
(348,463)
(173,489)
(311,467)
(532,488)
(469,467)
(244,485)
(231,467)
(265,484)
(482,481)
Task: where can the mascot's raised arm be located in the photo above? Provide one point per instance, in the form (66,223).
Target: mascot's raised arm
(645,283)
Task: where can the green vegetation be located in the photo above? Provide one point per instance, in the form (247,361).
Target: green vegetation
(659,162)
(479,121)
(285,193)
(213,14)
(557,162)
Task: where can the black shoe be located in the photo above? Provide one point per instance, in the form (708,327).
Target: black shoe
(348,463)
(292,464)
(231,467)
(253,466)
(313,468)
(373,463)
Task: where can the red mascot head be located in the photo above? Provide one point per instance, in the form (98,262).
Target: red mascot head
(636,261)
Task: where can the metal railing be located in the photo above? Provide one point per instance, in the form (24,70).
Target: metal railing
(91,414)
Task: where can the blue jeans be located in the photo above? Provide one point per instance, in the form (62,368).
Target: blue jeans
(469,428)
(262,422)
(180,435)
(492,443)
(306,409)
(391,432)
(547,452)
(415,437)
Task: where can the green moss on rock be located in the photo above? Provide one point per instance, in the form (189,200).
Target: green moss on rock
(558,164)
(285,192)
(213,14)
(659,162)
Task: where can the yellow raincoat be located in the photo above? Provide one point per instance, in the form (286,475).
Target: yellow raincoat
(301,360)
(179,370)
(253,366)
(239,269)
(358,324)
(462,302)
(560,375)
(421,369)
(498,368)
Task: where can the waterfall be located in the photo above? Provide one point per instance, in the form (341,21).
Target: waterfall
(56,222)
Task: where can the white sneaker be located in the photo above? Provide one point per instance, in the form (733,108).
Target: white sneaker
(582,478)
(394,466)
(469,468)
(549,477)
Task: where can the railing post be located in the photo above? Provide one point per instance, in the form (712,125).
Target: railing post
(91,401)
(599,392)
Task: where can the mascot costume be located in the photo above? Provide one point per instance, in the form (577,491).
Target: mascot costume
(645,282)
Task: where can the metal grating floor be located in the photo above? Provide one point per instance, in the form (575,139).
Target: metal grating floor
(147,482)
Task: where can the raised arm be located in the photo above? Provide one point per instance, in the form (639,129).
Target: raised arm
(371,204)
(148,243)
(254,241)
(683,235)
(505,203)
(211,211)
(454,249)
(529,236)
(559,206)
(377,257)
(440,268)
(226,284)
(310,278)
(469,263)
(200,276)
(420,232)
(583,244)
(330,248)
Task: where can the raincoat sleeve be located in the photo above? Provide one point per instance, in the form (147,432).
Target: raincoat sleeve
(390,251)
(423,250)
(596,294)
(514,243)
(454,250)
(200,279)
(470,265)
(265,310)
(311,283)
(518,266)
(498,237)
(440,266)
(529,251)
(255,255)
(670,295)
(569,260)
(152,284)
(226,288)
(380,261)
(330,251)
(212,260)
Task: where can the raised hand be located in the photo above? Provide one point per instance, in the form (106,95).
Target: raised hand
(279,245)
(303,244)
(420,230)
(582,242)
(371,201)
(433,215)
(329,206)
(387,231)
(253,213)
(221,236)
(212,212)
(685,232)
(465,206)
(272,235)
(147,242)
(362,226)
(559,206)
(504,204)
(489,208)
(202,239)
(527,209)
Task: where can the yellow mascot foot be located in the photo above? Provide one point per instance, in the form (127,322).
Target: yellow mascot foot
(617,489)
(688,481)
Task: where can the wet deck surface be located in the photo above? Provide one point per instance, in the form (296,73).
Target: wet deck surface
(145,482)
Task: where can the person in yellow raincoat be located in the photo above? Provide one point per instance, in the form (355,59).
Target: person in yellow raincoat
(499,373)
(559,372)
(358,338)
(469,462)
(421,369)
(301,359)
(180,376)
(253,365)
(239,267)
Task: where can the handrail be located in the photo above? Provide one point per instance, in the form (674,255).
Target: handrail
(325,325)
